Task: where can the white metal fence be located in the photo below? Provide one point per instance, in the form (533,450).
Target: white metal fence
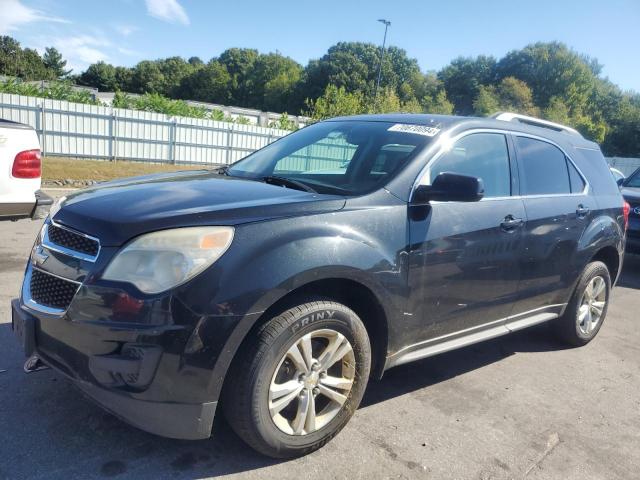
(87,131)
(625,164)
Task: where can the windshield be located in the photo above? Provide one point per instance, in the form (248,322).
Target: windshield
(634,180)
(344,158)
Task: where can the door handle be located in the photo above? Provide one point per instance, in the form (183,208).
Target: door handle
(510,223)
(582,211)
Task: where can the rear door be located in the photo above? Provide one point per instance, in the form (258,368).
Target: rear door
(464,257)
(558,209)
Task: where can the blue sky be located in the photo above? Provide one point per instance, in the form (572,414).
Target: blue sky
(124,32)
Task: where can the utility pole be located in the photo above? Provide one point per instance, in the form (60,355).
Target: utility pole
(384,41)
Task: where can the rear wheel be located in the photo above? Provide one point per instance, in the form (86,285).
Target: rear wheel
(587,308)
(299,380)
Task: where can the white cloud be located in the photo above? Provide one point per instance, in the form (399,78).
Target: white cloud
(128,51)
(125,30)
(81,50)
(15,14)
(168,10)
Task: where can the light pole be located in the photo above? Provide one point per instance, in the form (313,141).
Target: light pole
(384,41)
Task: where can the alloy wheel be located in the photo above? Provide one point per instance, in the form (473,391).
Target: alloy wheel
(312,382)
(592,305)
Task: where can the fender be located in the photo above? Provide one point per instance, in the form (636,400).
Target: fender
(264,270)
(603,231)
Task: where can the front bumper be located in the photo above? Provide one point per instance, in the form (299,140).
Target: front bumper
(137,381)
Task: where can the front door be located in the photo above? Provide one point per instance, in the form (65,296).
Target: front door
(464,256)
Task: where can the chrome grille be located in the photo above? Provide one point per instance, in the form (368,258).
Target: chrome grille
(71,240)
(50,290)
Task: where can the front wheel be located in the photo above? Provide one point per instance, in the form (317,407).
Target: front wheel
(587,308)
(299,380)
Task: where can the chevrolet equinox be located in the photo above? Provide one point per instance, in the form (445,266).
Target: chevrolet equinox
(278,286)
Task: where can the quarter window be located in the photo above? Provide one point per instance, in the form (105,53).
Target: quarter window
(544,169)
(577,183)
(481,155)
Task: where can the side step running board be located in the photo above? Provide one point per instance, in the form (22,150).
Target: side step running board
(437,346)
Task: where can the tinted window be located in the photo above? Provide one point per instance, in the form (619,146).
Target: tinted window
(543,168)
(336,157)
(482,155)
(634,180)
(577,183)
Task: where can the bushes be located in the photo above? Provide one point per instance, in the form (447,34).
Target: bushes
(149,102)
(52,90)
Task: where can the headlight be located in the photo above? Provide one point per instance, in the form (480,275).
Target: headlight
(158,261)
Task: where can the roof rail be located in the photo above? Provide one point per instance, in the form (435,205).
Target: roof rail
(536,122)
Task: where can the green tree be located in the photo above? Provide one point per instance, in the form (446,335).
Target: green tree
(123,77)
(462,80)
(335,102)
(354,66)
(208,84)
(147,78)
(510,95)
(173,70)
(273,80)
(550,70)
(22,63)
(240,62)
(487,102)
(100,75)
(53,60)
(429,91)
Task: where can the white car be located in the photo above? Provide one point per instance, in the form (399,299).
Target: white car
(20,173)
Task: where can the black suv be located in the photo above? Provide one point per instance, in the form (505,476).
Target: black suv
(630,188)
(280,285)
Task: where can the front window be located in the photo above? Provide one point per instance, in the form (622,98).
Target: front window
(344,158)
(480,155)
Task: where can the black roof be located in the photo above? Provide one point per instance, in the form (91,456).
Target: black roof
(446,122)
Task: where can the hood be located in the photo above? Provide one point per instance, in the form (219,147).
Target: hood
(120,210)
(631,194)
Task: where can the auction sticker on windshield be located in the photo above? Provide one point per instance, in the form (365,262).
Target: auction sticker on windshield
(417,129)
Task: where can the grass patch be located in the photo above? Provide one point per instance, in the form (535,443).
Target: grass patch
(61,169)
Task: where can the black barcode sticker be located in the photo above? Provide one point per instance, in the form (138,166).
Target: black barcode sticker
(417,129)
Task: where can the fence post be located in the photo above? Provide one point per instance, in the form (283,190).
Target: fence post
(172,140)
(229,144)
(43,135)
(112,137)
(38,121)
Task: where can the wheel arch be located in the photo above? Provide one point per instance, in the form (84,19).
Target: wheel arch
(349,292)
(610,256)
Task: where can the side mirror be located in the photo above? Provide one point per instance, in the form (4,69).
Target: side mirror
(620,181)
(449,187)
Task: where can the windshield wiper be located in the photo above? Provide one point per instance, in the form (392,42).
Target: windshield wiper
(287,182)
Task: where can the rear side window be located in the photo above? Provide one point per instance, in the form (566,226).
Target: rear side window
(543,168)
(577,183)
(481,155)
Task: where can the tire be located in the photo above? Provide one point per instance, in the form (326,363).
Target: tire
(580,322)
(276,353)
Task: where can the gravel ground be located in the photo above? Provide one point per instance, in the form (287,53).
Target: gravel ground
(521,406)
